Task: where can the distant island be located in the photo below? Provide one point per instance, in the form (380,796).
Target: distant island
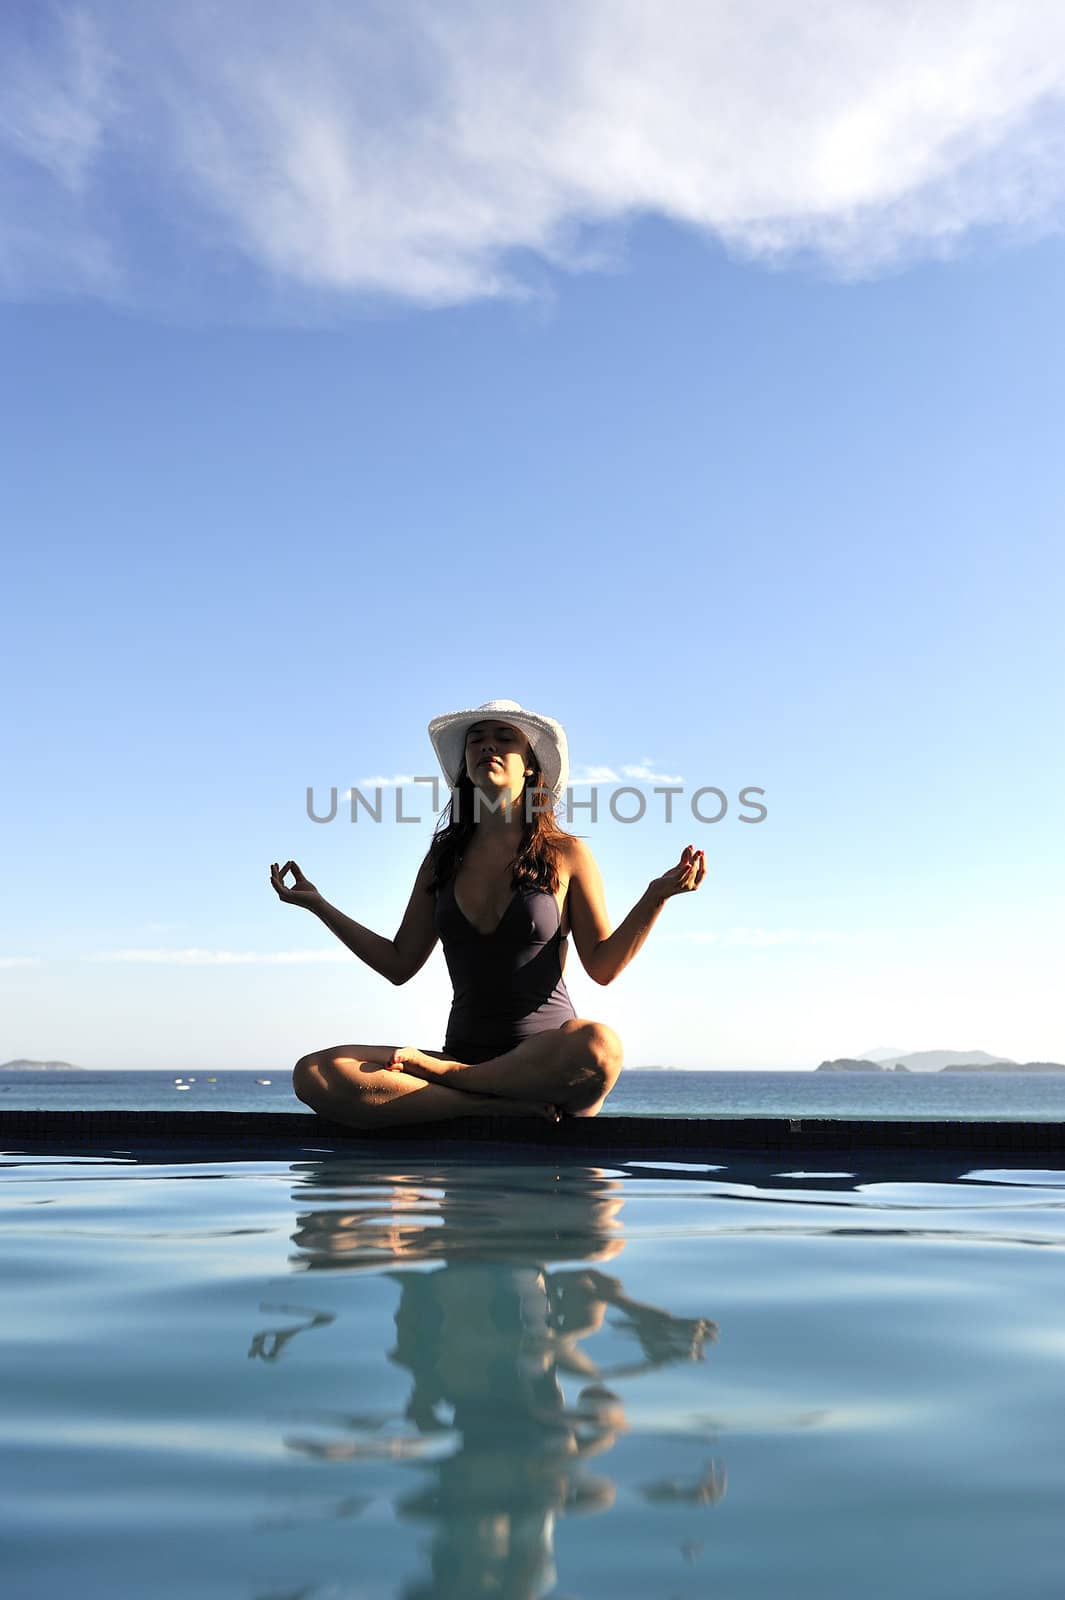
(987,1064)
(852,1064)
(39,1066)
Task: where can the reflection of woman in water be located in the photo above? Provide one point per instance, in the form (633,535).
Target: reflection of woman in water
(502,887)
(485,1352)
(487,1333)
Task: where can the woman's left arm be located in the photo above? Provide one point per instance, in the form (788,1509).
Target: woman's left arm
(604,953)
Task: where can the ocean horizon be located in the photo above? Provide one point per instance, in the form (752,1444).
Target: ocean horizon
(640,1091)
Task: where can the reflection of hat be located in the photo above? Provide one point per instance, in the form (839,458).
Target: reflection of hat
(546,736)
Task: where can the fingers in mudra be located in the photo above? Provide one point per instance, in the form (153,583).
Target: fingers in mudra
(300,885)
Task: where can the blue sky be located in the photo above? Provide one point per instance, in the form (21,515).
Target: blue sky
(740,455)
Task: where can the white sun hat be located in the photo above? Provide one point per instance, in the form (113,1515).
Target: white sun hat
(546,736)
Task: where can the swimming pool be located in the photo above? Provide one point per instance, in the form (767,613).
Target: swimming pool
(415,1375)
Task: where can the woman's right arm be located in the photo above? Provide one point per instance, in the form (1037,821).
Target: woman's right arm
(396,959)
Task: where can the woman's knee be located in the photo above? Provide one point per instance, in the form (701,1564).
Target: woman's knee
(602,1052)
(343,1085)
(601,1042)
(307,1080)
(317,1077)
(607,1044)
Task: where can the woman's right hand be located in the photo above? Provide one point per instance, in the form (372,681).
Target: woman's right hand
(302,892)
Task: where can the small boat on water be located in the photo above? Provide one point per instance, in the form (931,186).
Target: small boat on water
(180,1086)
(263,1080)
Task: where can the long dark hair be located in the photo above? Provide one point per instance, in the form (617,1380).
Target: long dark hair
(537,857)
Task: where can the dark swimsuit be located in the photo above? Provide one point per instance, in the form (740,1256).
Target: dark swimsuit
(508,984)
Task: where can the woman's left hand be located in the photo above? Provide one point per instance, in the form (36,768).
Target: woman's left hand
(686,876)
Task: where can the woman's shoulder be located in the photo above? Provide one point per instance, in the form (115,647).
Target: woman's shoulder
(575,853)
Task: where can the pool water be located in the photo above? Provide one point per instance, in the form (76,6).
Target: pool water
(348,1377)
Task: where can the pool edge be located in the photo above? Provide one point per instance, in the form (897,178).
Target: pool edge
(246,1133)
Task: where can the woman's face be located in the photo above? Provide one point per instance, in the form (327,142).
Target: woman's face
(498,758)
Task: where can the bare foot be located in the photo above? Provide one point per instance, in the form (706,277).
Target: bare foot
(499,1106)
(418,1065)
(528,1108)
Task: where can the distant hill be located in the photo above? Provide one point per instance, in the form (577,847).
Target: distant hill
(933,1060)
(963,1063)
(883,1052)
(22,1065)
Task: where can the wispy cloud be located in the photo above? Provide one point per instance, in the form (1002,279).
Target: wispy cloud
(57,100)
(398,780)
(763,938)
(409,150)
(20,961)
(55,113)
(641,771)
(223,958)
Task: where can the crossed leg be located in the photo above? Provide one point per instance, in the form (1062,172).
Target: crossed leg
(570,1069)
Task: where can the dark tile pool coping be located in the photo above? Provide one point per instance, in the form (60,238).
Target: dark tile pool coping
(255,1135)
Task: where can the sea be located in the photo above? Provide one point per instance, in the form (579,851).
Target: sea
(661,1092)
(347,1376)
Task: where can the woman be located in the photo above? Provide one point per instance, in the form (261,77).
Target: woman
(502,887)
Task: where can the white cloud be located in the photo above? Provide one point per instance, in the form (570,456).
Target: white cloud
(645,773)
(20,961)
(223,958)
(592,774)
(411,150)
